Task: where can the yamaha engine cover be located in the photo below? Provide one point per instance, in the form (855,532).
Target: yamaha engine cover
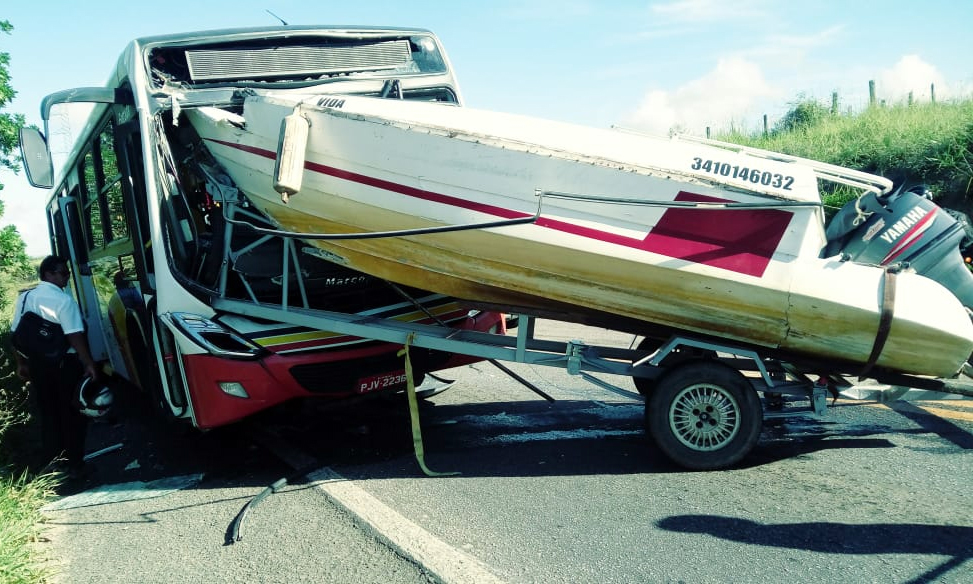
(904,228)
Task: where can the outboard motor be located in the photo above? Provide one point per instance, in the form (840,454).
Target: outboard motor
(904,227)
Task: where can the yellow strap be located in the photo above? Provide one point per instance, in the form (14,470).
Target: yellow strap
(414,413)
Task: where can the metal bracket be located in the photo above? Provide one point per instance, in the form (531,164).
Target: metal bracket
(672,344)
(819,399)
(575,356)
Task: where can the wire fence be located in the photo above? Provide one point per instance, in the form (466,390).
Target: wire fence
(873,101)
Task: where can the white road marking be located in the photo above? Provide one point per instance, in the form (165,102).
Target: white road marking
(448,564)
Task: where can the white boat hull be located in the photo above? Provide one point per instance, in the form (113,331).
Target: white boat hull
(749,275)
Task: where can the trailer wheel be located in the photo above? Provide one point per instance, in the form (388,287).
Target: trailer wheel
(704,415)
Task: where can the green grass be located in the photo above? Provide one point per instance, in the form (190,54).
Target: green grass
(21,498)
(21,494)
(928,143)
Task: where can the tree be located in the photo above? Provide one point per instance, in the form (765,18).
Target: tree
(13,256)
(10,124)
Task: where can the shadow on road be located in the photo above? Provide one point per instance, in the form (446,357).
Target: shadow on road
(527,438)
(521,438)
(839,538)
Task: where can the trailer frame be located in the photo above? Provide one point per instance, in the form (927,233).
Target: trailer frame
(716,370)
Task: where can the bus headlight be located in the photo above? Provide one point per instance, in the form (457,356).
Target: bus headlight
(234,388)
(215,338)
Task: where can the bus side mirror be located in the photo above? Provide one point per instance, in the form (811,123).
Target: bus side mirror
(37,158)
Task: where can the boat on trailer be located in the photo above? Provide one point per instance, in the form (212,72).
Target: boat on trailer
(646,234)
(310,152)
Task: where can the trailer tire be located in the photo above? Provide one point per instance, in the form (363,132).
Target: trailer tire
(704,415)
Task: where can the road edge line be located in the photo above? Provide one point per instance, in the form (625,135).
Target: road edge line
(448,564)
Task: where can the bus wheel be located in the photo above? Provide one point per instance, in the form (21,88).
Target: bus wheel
(147,369)
(704,415)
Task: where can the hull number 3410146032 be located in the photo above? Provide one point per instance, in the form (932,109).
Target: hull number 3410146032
(753,175)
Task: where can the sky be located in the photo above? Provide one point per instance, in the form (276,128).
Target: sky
(648,65)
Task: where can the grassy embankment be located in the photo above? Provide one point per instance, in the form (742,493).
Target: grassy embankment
(921,143)
(21,493)
(927,143)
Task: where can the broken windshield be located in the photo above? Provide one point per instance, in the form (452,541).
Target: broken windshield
(307,58)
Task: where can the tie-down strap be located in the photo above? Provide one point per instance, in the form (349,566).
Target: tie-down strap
(887,307)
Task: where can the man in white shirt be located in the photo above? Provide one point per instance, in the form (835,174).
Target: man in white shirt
(63,427)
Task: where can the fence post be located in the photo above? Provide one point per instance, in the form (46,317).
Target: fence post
(765,126)
(932,92)
(834,103)
(871,93)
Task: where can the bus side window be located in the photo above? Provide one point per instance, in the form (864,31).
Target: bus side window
(90,203)
(112,189)
(56,228)
(128,142)
(101,196)
(72,218)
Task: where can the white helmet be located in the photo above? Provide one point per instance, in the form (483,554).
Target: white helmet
(94,398)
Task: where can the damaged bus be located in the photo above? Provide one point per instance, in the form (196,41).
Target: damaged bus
(155,231)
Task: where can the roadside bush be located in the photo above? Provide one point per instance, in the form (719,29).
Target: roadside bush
(13,394)
(804,114)
(21,494)
(14,412)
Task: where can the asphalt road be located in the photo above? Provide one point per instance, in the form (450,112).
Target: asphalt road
(570,491)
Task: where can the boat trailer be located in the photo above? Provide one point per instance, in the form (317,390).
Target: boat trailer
(702,403)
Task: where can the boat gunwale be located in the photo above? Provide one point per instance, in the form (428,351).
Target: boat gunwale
(293,100)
